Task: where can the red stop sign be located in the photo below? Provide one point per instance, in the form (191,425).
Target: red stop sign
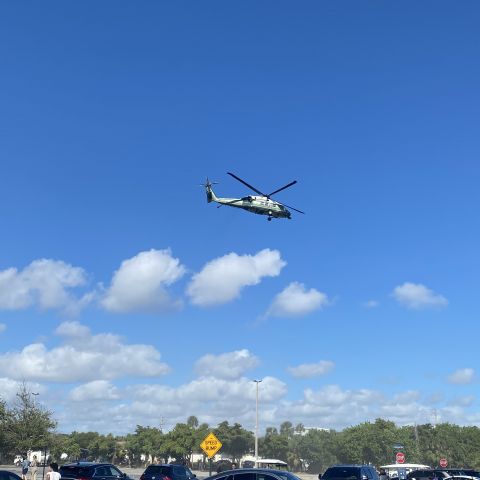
(400,457)
(443,463)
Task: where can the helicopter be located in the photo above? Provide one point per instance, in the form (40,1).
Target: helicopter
(261,204)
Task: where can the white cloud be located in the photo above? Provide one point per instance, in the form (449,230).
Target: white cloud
(118,409)
(3,327)
(95,390)
(465,401)
(139,285)
(83,357)
(371,304)
(434,398)
(309,370)
(335,407)
(417,296)
(9,388)
(296,301)
(406,397)
(44,283)
(230,365)
(222,280)
(211,399)
(462,376)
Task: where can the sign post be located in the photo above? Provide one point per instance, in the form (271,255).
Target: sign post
(210,445)
(443,463)
(400,457)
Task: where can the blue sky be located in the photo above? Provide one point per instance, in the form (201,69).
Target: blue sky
(120,287)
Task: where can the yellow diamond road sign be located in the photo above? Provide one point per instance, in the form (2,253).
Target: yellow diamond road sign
(211,445)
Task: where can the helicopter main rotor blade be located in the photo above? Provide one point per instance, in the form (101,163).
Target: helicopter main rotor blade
(293,208)
(283,188)
(246,184)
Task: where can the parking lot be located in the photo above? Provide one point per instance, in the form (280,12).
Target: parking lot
(135,473)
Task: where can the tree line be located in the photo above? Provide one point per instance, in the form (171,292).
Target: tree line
(28,426)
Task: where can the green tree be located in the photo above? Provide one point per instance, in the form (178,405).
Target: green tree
(27,426)
(368,442)
(287,430)
(148,441)
(236,441)
(192,421)
(180,442)
(318,449)
(274,445)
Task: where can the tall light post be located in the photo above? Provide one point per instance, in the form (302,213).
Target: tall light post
(256,426)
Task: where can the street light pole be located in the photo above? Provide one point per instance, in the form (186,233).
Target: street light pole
(256,426)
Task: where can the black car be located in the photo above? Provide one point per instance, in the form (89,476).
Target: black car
(440,473)
(6,475)
(91,471)
(350,472)
(223,465)
(167,471)
(254,474)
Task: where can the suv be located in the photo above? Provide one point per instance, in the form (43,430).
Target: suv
(430,473)
(91,471)
(350,472)
(167,472)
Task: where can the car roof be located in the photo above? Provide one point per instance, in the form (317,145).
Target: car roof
(345,465)
(252,470)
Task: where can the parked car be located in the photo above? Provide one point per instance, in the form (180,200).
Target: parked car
(440,473)
(6,475)
(463,477)
(254,474)
(167,471)
(91,471)
(350,472)
(223,465)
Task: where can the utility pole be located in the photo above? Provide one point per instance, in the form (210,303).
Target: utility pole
(256,426)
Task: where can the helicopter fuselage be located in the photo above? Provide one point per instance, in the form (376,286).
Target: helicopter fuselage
(257,204)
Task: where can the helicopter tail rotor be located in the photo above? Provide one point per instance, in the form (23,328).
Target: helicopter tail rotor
(211,197)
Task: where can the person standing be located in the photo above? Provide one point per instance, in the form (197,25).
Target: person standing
(33,468)
(53,473)
(25,465)
(383,474)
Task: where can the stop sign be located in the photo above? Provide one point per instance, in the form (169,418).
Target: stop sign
(443,463)
(400,457)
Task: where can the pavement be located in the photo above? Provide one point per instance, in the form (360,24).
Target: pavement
(135,473)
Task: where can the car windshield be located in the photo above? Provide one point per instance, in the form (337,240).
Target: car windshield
(75,471)
(157,469)
(342,473)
